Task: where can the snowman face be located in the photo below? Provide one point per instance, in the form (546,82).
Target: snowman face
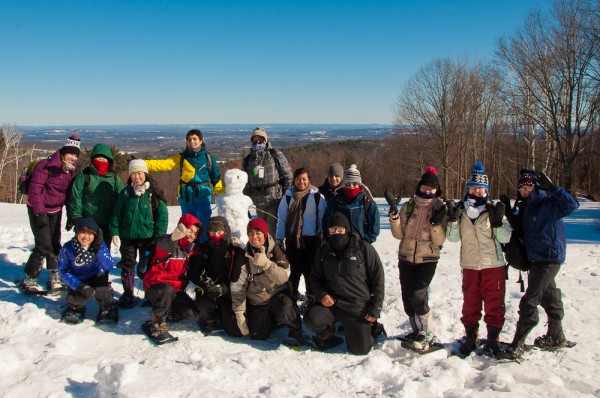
(235,181)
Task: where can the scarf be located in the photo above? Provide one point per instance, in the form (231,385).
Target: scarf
(295,217)
(350,193)
(475,205)
(83,256)
(101,166)
(139,190)
(421,217)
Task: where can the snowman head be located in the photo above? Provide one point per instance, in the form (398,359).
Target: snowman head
(235,181)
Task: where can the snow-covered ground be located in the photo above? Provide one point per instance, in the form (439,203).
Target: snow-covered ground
(41,357)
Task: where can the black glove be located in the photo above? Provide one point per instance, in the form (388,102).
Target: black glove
(69,225)
(451,206)
(211,289)
(507,206)
(86,290)
(392,201)
(545,184)
(437,217)
(497,214)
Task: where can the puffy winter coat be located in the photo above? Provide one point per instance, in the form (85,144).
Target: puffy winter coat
(363,217)
(313,215)
(355,279)
(195,178)
(543,227)
(72,274)
(267,190)
(100,196)
(328,192)
(257,286)
(427,248)
(49,185)
(480,246)
(134,217)
(169,259)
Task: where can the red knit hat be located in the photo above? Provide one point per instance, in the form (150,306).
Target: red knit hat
(260,224)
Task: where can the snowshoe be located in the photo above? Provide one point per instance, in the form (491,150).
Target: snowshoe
(303,343)
(549,343)
(54,284)
(127,300)
(326,344)
(158,333)
(110,315)
(73,315)
(416,343)
(30,286)
(208,328)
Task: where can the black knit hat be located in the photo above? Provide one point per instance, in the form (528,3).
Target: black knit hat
(339,220)
(430,178)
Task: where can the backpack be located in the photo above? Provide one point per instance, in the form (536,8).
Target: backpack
(25,178)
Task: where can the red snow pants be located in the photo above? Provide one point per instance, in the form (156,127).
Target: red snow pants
(484,288)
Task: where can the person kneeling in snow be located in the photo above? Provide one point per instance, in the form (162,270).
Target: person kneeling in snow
(347,280)
(218,263)
(165,280)
(263,283)
(84,263)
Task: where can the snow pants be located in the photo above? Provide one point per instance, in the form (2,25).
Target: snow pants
(487,287)
(103,295)
(46,237)
(414,282)
(541,290)
(357,331)
(202,211)
(301,260)
(131,250)
(218,309)
(165,301)
(280,310)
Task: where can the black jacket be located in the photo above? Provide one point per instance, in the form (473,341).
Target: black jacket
(354,279)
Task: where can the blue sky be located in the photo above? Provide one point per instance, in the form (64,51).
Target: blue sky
(161,62)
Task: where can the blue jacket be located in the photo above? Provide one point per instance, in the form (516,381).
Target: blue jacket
(73,275)
(543,228)
(363,217)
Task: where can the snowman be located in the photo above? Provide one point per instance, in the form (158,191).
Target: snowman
(234,205)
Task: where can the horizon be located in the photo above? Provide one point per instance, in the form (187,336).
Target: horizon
(156,62)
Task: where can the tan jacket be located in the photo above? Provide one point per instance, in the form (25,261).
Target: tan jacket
(259,286)
(427,248)
(480,242)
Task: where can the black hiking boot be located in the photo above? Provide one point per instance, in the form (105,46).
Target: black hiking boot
(491,345)
(73,315)
(127,300)
(470,341)
(108,315)
(377,330)
(160,332)
(516,349)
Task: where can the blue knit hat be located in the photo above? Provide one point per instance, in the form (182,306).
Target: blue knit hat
(87,222)
(478,178)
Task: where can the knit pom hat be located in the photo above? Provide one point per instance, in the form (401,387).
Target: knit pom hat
(260,224)
(478,178)
(527,177)
(260,132)
(352,175)
(72,146)
(335,169)
(430,178)
(137,165)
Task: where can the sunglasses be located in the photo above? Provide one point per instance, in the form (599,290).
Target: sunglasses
(336,230)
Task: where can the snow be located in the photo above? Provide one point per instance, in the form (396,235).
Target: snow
(43,357)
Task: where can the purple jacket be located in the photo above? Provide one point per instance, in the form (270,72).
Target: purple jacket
(48,186)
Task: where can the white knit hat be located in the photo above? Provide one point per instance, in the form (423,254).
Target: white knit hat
(352,175)
(138,165)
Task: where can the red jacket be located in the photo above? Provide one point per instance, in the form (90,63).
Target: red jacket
(169,262)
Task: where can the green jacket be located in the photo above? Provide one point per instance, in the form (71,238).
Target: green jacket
(100,196)
(134,217)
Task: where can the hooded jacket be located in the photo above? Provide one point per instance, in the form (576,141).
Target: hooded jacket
(355,278)
(169,259)
(99,197)
(257,286)
(49,185)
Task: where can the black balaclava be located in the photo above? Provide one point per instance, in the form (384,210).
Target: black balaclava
(339,241)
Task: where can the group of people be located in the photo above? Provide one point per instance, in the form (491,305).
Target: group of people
(323,234)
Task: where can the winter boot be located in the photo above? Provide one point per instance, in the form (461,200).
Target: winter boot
(160,332)
(470,341)
(415,330)
(110,314)
(326,340)
(554,337)
(517,347)
(377,330)
(491,345)
(73,315)
(421,341)
(54,283)
(30,284)
(424,327)
(127,300)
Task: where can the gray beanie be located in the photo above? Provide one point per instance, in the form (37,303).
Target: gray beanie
(335,169)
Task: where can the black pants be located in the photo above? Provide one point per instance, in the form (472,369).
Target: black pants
(131,250)
(541,290)
(414,282)
(46,236)
(280,310)
(218,310)
(301,260)
(357,331)
(164,301)
(269,214)
(103,295)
